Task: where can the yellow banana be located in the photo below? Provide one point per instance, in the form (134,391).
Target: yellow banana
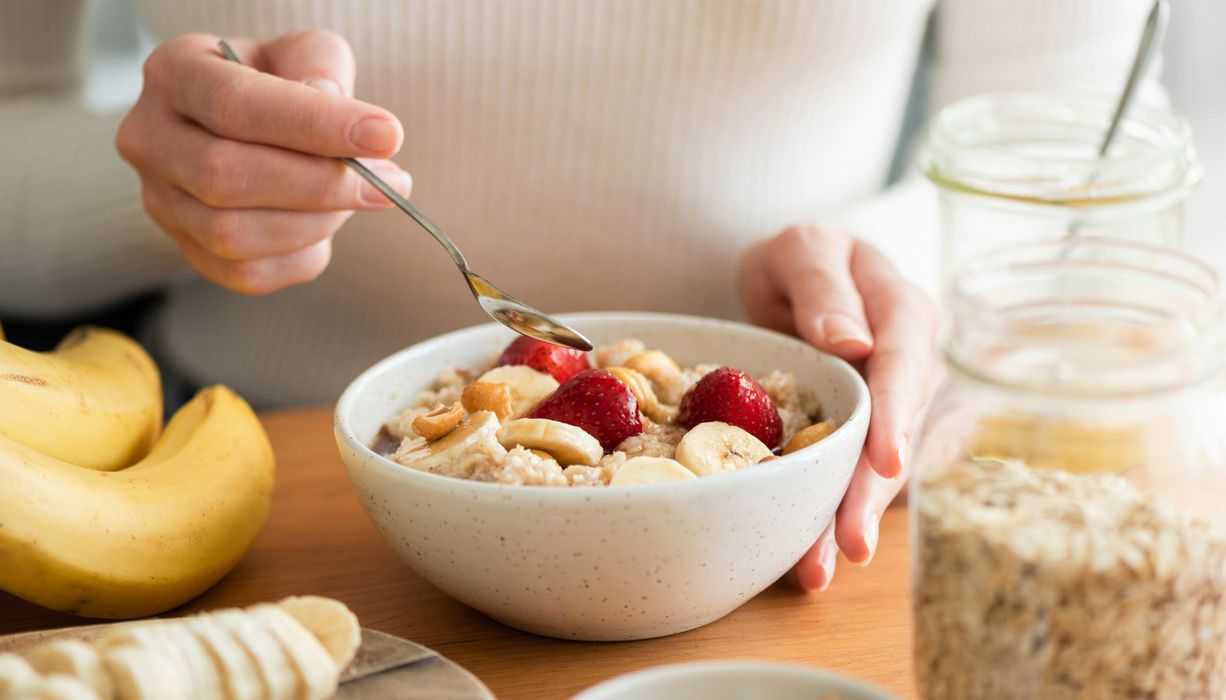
(144,539)
(95,401)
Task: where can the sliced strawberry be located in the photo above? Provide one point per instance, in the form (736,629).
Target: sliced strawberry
(562,363)
(596,401)
(730,396)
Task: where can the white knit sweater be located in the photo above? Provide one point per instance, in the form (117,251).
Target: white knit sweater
(586,154)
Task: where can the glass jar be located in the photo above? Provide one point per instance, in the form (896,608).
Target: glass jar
(1018,167)
(1068,502)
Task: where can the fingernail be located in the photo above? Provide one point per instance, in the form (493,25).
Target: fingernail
(397,178)
(871,532)
(378,135)
(808,582)
(326,85)
(840,329)
(828,560)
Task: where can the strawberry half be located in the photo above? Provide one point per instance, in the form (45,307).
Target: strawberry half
(596,401)
(730,396)
(562,363)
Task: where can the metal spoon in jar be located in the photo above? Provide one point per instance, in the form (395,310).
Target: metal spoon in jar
(1151,36)
(502,307)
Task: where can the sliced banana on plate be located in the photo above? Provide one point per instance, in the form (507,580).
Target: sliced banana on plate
(72,657)
(528,386)
(59,686)
(316,671)
(271,662)
(240,678)
(177,647)
(650,470)
(15,675)
(294,650)
(450,450)
(715,448)
(333,624)
(568,444)
(141,674)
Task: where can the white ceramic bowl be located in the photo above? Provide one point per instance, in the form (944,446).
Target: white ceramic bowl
(733,680)
(610,563)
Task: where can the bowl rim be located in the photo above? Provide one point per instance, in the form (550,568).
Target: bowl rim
(344,407)
(628,681)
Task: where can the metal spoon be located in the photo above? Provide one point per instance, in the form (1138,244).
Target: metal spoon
(502,307)
(1151,36)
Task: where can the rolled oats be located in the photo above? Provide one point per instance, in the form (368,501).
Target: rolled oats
(1044,584)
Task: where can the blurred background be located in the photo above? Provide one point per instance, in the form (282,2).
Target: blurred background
(1194,58)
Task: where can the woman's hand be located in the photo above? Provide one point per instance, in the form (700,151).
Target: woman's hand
(844,297)
(236,162)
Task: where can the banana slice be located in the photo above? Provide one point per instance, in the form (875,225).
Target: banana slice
(333,624)
(663,371)
(528,386)
(648,402)
(566,443)
(72,657)
(15,675)
(179,648)
(451,449)
(317,673)
(139,673)
(271,663)
(240,678)
(714,448)
(59,686)
(650,470)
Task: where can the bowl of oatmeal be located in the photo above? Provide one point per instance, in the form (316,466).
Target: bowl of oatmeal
(644,489)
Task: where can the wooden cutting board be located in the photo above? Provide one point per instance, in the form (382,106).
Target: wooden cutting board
(385,667)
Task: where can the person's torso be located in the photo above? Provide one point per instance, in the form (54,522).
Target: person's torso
(599,154)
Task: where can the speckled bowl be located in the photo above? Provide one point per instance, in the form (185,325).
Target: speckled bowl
(733,680)
(612,563)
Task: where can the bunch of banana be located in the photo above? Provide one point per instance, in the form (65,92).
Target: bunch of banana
(294,649)
(98,515)
(95,401)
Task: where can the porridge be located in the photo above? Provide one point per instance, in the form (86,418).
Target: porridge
(543,415)
(1045,584)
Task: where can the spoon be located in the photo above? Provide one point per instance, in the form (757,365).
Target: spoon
(500,306)
(1151,36)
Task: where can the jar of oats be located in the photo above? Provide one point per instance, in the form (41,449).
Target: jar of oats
(1018,167)
(1069,495)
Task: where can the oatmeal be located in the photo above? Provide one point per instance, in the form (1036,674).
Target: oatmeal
(1044,584)
(541,415)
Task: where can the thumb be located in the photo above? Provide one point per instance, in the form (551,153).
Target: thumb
(319,58)
(827,310)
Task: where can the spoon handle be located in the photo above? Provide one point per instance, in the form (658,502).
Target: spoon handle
(407,207)
(404,204)
(1155,28)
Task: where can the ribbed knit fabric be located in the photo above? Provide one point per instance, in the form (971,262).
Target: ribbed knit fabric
(586,154)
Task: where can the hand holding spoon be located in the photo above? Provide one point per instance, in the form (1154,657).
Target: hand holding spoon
(502,307)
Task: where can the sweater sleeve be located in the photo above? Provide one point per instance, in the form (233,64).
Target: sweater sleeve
(983,46)
(73,233)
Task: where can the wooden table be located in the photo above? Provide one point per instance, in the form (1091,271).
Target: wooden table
(318,540)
